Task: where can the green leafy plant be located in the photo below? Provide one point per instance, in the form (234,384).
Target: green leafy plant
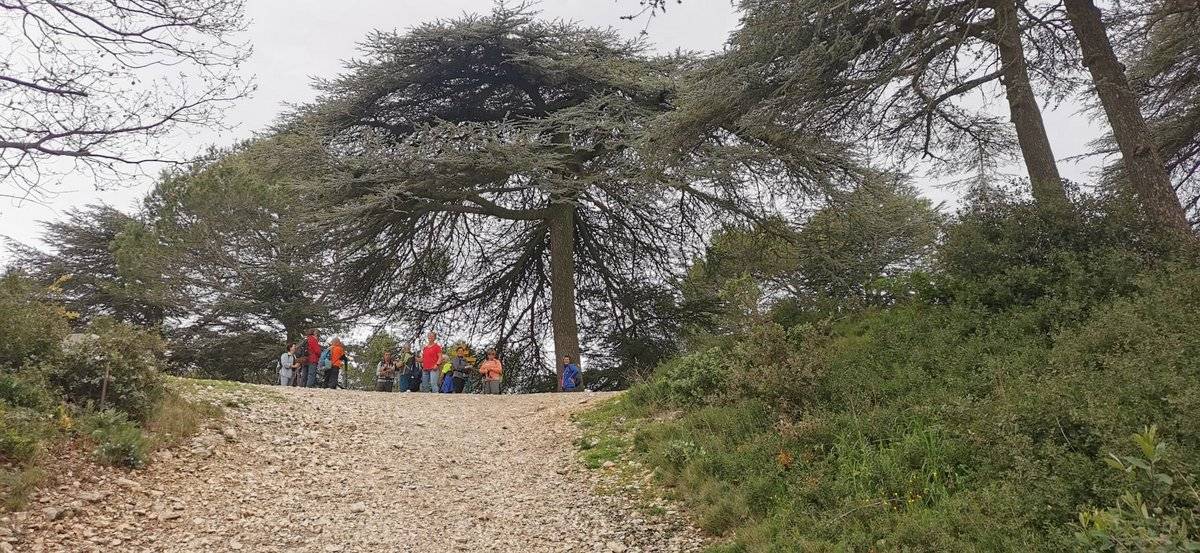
(1158,517)
(131,357)
(118,441)
(32,325)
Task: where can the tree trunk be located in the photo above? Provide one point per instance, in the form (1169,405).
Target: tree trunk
(293,330)
(1144,169)
(562,287)
(1047,184)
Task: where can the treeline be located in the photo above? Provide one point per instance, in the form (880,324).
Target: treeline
(524,182)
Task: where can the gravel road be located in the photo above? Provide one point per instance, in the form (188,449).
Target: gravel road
(301,470)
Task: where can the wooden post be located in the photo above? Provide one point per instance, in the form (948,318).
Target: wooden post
(104,387)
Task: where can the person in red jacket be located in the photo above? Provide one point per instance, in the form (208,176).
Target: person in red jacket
(430,354)
(314,355)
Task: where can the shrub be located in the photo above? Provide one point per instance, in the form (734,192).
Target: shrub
(687,380)
(26,417)
(133,358)
(955,425)
(118,441)
(23,392)
(22,432)
(1159,513)
(31,324)
(1003,251)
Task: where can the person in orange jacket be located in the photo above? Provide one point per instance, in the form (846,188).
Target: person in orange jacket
(491,369)
(337,359)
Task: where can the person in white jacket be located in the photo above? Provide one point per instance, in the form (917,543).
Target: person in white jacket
(287,365)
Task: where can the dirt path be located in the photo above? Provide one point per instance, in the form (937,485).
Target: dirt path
(329,471)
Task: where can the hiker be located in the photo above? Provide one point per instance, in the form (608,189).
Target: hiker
(459,370)
(337,359)
(571,377)
(431,354)
(491,369)
(312,348)
(413,367)
(402,362)
(324,365)
(445,382)
(288,365)
(385,373)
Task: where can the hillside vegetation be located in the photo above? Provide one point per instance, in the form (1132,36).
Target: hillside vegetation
(990,404)
(53,393)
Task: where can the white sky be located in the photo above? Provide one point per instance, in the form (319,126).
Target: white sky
(295,40)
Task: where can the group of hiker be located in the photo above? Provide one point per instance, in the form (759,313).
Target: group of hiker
(309,364)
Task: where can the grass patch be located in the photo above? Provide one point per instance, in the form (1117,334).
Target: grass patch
(609,430)
(175,419)
(17,485)
(606,435)
(223,393)
(220,385)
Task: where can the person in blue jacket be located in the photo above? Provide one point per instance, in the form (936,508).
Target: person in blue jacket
(571,377)
(326,361)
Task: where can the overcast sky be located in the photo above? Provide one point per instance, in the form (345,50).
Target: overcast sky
(295,40)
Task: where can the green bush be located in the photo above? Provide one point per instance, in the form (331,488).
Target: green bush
(1003,251)
(22,432)
(687,380)
(118,441)
(948,424)
(1160,512)
(31,324)
(26,417)
(22,391)
(133,358)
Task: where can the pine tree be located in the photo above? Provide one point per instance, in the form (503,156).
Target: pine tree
(488,177)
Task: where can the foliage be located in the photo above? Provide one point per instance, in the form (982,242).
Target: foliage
(103,263)
(174,419)
(1166,520)
(22,431)
(28,423)
(32,325)
(686,381)
(1002,252)
(117,440)
(895,78)
(133,358)
(24,392)
(840,258)
(233,240)
(450,211)
(237,352)
(1153,39)
(975,415)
